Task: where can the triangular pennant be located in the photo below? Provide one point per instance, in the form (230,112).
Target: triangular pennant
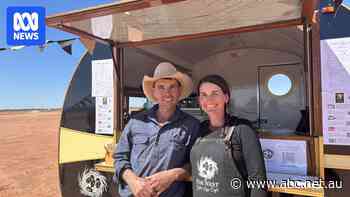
(68,49)
(66,45)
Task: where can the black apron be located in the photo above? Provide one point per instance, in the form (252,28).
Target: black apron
(214,172)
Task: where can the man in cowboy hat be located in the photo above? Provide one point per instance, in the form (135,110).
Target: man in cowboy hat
(154,148)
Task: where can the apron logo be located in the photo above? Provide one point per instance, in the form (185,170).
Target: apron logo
(207,168)
(92,183)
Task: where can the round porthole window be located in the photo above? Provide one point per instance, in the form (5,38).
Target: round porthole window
(279,84)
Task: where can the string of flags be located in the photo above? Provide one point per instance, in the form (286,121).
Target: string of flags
(66,45)
(332,7)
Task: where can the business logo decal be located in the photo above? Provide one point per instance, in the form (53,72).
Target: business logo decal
(92,183)
(25,26)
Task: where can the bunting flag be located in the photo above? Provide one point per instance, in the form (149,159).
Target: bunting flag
(44,46)
(16,48)
(66,45)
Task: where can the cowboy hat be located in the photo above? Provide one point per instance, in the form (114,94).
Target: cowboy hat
(167,70)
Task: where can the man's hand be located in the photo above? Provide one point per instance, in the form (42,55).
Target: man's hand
(161,181)
(140,187)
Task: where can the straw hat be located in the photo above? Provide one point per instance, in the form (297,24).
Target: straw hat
(167,70)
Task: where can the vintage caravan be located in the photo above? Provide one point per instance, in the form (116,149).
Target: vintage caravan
(269,52)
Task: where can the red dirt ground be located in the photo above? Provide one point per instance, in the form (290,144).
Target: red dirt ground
(28,150)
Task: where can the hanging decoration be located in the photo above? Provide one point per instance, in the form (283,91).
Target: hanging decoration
(65,44)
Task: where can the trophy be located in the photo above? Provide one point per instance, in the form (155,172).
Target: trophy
(109,153)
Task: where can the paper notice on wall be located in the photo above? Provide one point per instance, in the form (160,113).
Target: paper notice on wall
(102,78)
(335,65)
(285,156)
(104,115)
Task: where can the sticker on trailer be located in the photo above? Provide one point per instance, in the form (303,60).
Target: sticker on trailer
(92,183)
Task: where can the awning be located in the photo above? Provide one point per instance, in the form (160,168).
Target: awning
(139,21)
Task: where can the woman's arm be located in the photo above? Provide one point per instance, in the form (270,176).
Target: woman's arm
(253,159)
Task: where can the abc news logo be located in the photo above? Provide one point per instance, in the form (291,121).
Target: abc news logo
(32,25)
(25,25)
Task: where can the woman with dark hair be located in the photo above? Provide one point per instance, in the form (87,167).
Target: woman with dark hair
(228,154)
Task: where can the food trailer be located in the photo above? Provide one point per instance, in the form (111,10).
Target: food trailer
(270,52)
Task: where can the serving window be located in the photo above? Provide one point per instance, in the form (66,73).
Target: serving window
(254,64)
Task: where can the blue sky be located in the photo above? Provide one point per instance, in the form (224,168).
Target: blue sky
(33,79)
(29,78)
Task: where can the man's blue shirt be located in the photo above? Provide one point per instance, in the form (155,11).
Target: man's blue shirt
(148,148)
